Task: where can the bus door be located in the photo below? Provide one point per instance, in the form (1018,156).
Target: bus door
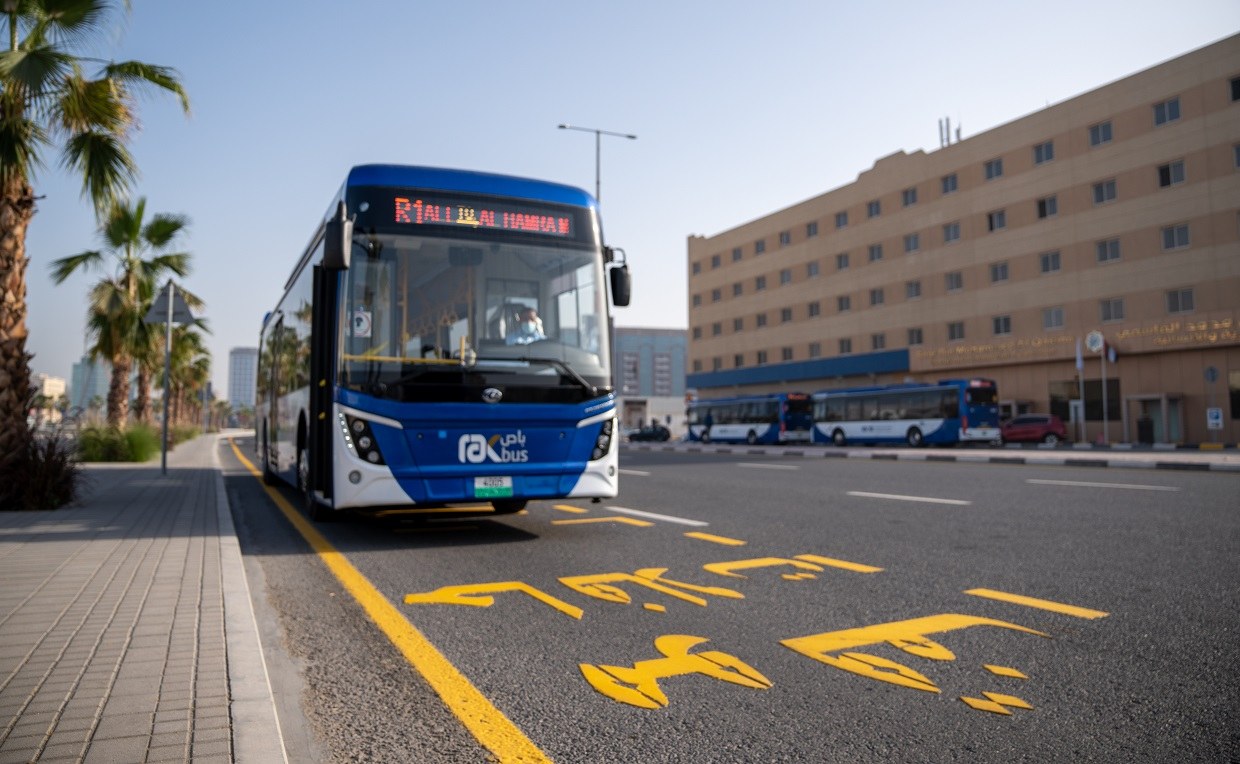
(271,427)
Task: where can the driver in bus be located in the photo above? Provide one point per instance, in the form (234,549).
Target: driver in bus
(529,328)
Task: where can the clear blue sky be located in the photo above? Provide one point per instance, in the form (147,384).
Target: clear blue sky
(740,108)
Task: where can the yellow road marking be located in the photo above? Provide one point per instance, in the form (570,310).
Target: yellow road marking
(571,508)
(855,567)
(714,539)
(1054,607)
(583,520)
(487,723)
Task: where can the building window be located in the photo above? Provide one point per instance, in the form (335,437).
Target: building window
(997,220)
(1167,111)
(785,238)
(697,364)
(1180,301)
(736,254)
(811,270)
(909,197)
(876,296)
(715,261)
(785,354)
(1002,325)
(954,281)
(841,262)
(994,169)
(738,324)
(951,232)
(716,295)
(811,229)
(697,300)
(1235,150)
(1175,236)
(876,252)
(1233,387)
(815,349)
(663,374)
(912,242)
(760,320)
(949,183)
(716,329)
(738,360)
(873,208)
(1235,88)
(1048,207)
(912,290)
(716,364)
(759,283)
(1100,133)
(914,336)
(843,303)
(845,346)
(759,246)
(1052,318)
(814,309)
(1104,192)
(955,331)
(1044,152)
(1048,262)
(878,341)
(785,277)
(1108,250)
(1171,173)
(998,272)
(697,268)
(738,289)
(785,315)
(841,219)
(1112,309)
(697,332)
(761,359)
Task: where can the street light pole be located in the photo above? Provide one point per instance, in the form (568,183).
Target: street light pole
(598,151)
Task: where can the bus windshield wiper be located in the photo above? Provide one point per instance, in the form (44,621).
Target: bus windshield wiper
(565,369)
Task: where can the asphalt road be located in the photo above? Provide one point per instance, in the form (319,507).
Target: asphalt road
(730,608)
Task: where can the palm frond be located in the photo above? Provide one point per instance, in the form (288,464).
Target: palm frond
(62,268)
(83,104)
(163,228)
(74,22)
(21,140)
(145,76)
(35,70)
(106,166)
(176,262)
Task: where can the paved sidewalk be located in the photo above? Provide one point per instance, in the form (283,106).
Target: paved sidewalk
(126,629)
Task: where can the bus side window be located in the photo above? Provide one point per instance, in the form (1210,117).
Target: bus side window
(951,403)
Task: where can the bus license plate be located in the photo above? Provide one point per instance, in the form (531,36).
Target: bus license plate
(492,487)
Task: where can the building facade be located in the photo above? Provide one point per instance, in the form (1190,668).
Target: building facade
(1116,212)
(650,377)
(89,382)
(242,377)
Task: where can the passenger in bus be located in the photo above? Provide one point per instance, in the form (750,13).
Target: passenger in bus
(528,329)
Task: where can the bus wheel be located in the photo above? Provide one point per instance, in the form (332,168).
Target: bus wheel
(705,436)
(508,506)
(838,438)
(319,512)
(915,438)
(751,438)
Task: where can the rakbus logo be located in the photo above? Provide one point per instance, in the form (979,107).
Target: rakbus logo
(502,449)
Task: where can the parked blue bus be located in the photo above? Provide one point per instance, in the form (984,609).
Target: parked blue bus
(942,413)
(443,340)
(775,418)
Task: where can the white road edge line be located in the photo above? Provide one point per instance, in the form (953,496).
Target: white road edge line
(757,466)
(898,497)
(1081,483)
(653,516)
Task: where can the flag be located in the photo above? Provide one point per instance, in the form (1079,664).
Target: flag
(1080,362)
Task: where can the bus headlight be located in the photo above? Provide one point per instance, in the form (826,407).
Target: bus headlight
(602,444)
(359,439)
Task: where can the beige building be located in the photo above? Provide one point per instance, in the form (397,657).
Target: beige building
(1117,212)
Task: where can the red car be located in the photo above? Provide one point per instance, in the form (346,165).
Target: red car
(1033,428)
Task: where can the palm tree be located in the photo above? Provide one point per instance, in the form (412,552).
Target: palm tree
(47,100)
(118,305)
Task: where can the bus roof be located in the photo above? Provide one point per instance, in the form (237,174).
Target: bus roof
(467,181)
(957,383)
(754,397)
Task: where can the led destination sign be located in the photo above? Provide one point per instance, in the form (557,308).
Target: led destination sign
(424,211)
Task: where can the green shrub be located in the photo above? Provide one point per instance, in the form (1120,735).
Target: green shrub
(144,442)
(181,433)
(103,444)
(51,475)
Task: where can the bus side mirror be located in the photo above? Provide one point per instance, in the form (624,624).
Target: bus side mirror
(621,285)
(337,241)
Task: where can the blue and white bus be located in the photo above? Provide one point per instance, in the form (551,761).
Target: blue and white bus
(942,413)
(775,418)
(443,340)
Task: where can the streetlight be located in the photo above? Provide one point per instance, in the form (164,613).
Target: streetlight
(598,138)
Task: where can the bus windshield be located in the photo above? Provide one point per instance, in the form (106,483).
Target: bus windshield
(423,316)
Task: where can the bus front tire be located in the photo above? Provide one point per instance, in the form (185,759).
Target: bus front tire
(915,438)
(838,438)
(751,438)
(318,511)
(706,436)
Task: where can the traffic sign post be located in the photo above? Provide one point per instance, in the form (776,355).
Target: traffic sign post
(168,308)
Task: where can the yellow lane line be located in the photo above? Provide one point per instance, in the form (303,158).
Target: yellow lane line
(714,539)
(1054,607)
(587,520)
(487,723)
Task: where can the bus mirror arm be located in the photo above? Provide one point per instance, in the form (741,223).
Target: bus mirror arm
(338,240)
